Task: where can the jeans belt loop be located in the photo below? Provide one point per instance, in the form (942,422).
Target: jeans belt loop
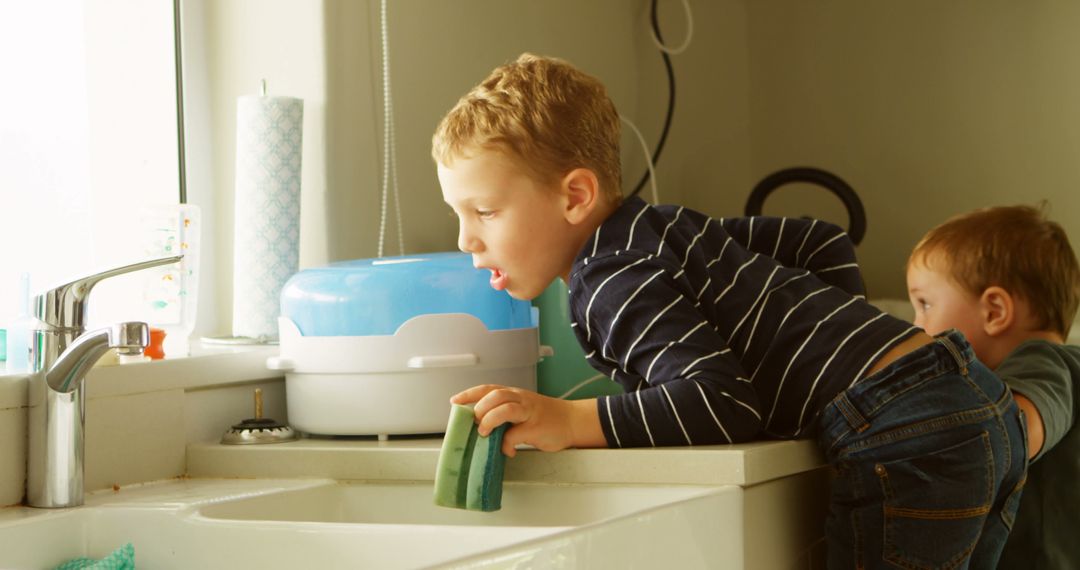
(955,352)
(851,414)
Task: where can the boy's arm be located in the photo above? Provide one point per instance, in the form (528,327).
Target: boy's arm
(1040,376)
(820,247)
(685,386)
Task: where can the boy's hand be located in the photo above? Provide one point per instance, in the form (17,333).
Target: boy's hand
(548,424)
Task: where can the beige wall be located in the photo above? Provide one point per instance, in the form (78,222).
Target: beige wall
(927,109)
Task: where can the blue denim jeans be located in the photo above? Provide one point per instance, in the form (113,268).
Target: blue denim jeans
(930,456)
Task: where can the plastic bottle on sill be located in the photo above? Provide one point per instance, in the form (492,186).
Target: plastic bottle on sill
(19,331)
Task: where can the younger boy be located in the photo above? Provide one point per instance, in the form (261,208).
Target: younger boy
(1007,278)
(723,331)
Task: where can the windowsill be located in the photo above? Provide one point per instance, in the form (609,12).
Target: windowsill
(207,366)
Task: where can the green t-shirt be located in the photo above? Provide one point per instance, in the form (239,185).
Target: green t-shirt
(1044,535)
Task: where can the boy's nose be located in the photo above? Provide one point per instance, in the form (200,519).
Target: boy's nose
(919,321)
(468,243)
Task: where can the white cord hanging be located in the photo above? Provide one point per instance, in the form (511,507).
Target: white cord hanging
(648,158)
(689,33)
(389,150)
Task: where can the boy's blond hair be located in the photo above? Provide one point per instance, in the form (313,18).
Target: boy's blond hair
(546,114)
(1013,247)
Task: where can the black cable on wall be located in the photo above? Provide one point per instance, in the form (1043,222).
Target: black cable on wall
(671,102)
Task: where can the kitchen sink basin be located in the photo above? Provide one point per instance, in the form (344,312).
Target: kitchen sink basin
(410,503)
(270,524)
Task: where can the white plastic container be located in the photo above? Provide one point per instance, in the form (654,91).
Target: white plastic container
(401,383)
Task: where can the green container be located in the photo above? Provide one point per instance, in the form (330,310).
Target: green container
(567,374)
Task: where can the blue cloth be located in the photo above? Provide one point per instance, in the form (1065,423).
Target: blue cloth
(122,558)
(930,456)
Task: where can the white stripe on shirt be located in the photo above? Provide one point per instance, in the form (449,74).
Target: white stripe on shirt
(834,268)
(779,235)
(794,357)
(734,278)
(798,252)
(877,354)
(588,309)
(762,293)
(761,310)
(630,239)
(644,421)
(648,372)
(611,326)
(690,247)
(630,350)
(678,213)
(828,361)
(676,412)
(822,246)
(741,403)
(611,418)
(708,406)
(780,326)
(707,356)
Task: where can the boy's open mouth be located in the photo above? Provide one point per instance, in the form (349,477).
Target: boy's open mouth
(498,279)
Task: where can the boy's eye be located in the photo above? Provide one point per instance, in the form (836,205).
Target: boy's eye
(485,214)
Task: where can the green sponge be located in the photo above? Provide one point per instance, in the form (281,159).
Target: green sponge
(469,474)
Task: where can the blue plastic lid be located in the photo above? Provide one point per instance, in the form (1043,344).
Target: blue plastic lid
(376,296)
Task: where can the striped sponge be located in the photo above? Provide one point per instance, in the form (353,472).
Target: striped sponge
(469,474)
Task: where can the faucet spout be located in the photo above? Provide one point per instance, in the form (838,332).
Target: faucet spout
(62,355)
(67,373)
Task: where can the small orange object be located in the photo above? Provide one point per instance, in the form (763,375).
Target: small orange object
(155,350)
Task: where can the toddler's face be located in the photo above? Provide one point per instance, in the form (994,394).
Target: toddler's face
(512,225)
(941,305)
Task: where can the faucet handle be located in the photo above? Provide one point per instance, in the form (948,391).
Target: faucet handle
(65,307)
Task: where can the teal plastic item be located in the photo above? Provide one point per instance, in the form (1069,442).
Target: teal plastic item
(566,374)
(122,558)
(376,296)
(3,344)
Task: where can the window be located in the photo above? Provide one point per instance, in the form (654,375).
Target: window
(88,142)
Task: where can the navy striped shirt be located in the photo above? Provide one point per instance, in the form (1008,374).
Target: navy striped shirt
(721,330)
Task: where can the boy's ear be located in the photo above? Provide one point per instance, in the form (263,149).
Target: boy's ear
(581,189)
(998,310)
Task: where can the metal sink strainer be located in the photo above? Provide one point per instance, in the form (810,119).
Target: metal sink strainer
(258,429)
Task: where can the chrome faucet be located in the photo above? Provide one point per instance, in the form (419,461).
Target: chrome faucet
(61,354)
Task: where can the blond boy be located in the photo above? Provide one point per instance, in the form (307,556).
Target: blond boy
(722,330)
(1007,278)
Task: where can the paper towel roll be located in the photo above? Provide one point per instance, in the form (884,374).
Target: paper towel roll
(269,136)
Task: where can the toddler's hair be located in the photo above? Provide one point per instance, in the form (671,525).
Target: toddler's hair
(1013,247)
(547,115)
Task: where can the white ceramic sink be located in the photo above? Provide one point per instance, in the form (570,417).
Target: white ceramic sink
(270,524)
(411,503)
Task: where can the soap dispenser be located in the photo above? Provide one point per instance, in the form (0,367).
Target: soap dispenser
(19,331)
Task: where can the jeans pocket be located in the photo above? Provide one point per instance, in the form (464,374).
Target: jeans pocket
(936,504)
